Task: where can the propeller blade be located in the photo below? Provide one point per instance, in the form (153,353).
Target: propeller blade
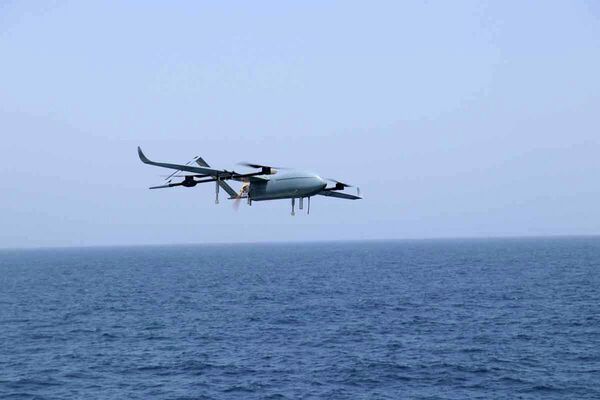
(243,194)
(251,165)
(338,183)
(236,203)
(267,168)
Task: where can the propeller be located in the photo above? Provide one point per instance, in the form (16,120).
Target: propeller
(266,169)
(251,165)
(338,182)
(236,203)
(243,191)
(339,185)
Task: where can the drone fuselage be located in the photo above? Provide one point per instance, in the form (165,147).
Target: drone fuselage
(287,185)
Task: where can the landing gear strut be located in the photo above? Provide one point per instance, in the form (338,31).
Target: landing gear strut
(217,191)
(300,205)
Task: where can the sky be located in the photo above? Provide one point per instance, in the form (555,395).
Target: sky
(456,119)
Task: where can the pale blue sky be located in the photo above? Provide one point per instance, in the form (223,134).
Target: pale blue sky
(454,118)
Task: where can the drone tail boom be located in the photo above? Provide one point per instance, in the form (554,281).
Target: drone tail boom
(224,185)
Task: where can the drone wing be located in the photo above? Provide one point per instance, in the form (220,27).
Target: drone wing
(197,170)
(339,195)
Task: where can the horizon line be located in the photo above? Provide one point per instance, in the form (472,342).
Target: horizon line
(267,242)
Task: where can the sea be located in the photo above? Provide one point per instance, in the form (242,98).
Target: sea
(414,319)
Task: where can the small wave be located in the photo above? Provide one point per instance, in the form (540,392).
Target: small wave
(513,380)
(238,389)
(145,368)
(28,382)
(20,396)
(276,396)
(544,388)
(195,366)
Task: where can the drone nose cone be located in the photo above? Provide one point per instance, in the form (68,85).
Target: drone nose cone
(321,181)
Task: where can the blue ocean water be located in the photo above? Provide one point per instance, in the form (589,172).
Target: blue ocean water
(431,319)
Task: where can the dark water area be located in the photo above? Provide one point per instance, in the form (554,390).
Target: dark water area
(439,319)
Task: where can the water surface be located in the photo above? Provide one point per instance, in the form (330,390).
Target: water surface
(443,319)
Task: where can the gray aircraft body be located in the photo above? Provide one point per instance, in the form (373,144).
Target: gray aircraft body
(268,183)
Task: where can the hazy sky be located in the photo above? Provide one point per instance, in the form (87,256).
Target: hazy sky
(454,118)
